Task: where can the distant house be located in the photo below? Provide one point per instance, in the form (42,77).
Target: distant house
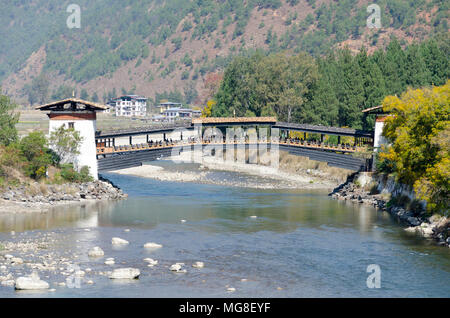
(172,114)
(129,106)
(167,105)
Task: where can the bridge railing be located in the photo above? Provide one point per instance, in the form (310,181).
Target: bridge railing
(195,141)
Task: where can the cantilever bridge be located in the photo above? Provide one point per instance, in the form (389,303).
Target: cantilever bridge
(143,145)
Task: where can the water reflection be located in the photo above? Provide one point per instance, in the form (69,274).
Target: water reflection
(75,215)
(213,208)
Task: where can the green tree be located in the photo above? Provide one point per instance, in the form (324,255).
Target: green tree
(37,157)
(66,143)
(8,121)
(84,94)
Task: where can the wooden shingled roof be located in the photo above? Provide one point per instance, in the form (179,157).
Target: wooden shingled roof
(376,108)
(72,104)
(234,120)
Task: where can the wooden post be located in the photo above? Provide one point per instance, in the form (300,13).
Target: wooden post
(131,140)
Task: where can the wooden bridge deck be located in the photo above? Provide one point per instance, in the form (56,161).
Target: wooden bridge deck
(166,145)
(110,159)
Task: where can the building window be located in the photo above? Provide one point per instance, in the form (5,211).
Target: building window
(71,125)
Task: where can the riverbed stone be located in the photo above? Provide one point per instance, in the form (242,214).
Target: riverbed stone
(151,262)
(31,282)
(177,268)
(198,265)
(413,221)
(125,273)
(152,245)
(96,252)
(119,241)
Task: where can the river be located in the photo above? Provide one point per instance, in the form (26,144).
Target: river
(301,244)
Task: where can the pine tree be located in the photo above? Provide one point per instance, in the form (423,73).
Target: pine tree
(416,71)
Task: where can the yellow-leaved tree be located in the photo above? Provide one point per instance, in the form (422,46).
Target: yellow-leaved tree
(419,136)
(208,109)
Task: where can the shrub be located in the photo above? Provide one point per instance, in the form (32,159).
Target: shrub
(84,175)
(68,173)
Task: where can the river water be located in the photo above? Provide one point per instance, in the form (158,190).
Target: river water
(301,244)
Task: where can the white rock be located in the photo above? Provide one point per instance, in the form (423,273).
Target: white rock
(253,217)
(411,229)
(90,282)
(125,273)
(62,284)
(8,256)
(31,282)
(152,245)
(88,270)
(16,260)
(96,252)
(110,262)
(119,241)
(150,261)
(7,283)
(198,265)
(231,289)
(177,267)
(126,230)
(183,221)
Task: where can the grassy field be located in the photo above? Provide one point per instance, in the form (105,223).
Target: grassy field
(33,120)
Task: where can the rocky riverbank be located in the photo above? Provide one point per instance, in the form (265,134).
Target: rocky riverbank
(39,197)
(368,189)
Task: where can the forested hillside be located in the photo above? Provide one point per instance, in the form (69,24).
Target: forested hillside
(176,48)
(330,90)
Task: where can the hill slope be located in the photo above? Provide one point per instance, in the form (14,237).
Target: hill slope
(150,47)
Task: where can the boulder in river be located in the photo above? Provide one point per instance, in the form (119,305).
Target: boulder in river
(150,261)
(177,268)
(152,245)
(125,273)
(198,265)
(119,241)
(96,252)
(31,282)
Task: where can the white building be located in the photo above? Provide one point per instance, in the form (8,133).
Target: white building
(129,106)
(378,138)
(172,114)
(81,116)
